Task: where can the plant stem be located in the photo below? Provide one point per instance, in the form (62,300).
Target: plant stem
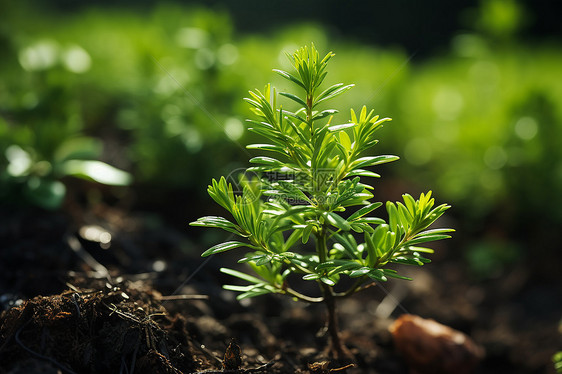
(321,247)
(309,100)
(337,349)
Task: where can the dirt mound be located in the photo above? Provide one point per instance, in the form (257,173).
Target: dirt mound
(109,328)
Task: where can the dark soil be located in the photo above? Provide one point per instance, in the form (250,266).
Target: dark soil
(142,300)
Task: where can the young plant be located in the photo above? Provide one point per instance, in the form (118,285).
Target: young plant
(36,177)
(313,186)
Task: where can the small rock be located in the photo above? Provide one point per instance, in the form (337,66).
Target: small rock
(432,348)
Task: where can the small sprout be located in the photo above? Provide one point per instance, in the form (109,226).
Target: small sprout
(312,184)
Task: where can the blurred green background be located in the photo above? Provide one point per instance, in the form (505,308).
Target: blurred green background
(155,90)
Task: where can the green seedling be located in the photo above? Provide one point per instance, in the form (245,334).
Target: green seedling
(37,179)
(304,210)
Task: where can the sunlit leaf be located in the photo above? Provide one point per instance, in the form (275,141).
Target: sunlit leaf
(363,173)
(378,274)
(311,277)
(337,221)
(267,147)
(394,274)
(363,211)
(359,272)
(241,275)
(295,98)
(290,77)
(332,92)
(427,238)
(373,160)
(341,127)
(218,222)
(97,171)
(266,161)
(223,247)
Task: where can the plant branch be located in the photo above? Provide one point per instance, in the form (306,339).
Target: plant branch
(303,297)
(357,287)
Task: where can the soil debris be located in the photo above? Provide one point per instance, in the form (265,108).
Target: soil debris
(109,328)
(323,367)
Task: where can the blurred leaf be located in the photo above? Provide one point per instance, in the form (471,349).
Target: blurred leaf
(48,194)
(97,171)
(81,148)
(378,274)
(557,360)
(328,280)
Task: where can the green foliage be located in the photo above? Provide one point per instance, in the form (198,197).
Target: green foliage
(157,93)
(310,185)
(162,87)
(557,360)
(491,129)
(36,178)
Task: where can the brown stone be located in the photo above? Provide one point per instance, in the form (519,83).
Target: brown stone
(430,347)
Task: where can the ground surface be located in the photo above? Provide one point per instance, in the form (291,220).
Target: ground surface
(76,300)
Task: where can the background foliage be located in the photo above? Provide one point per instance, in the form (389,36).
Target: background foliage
(156,90)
